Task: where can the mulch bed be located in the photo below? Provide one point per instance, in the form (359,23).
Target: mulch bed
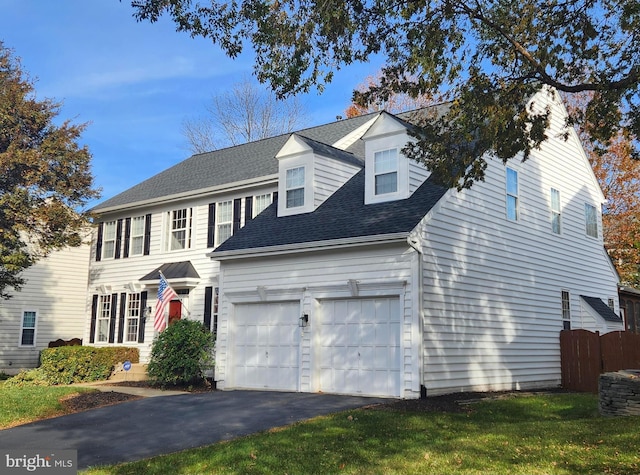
(90,400)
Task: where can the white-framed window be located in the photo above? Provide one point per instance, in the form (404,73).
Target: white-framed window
(385,170)
(611,303)
(566,310)
(224,221)
(132,320)
(180,221)
(260,203)
(591,220)
(136,244)
(104,318)
(512,194)
(555,211)
(109,240)
(294,187)
(28,328)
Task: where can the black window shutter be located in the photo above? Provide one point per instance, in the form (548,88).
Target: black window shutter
(127,237)
(248,209)
(143,316)
(208,294)
(99,242)
(275,197)
(112,320)
(211,227)
(123,309)
(118,238)
(94,314)
(237,204)
(147,234)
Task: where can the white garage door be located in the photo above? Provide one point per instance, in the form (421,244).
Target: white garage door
(266,345)
(360,346)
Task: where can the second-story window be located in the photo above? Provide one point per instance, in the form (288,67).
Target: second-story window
(512,194)
(385,164)
(109,240)
(137,235)
(295,187)
(260,203)
(180,229)
(591,220)
(555,211)
(224,221)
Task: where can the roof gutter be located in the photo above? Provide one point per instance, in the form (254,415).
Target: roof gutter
(392,238)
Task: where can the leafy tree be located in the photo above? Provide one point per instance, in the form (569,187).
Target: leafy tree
(243,114)
(44,176)
(489,57)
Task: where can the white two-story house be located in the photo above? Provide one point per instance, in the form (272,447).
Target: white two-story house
(326,261)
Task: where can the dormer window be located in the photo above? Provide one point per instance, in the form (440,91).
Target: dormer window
(386,171)
(295,187)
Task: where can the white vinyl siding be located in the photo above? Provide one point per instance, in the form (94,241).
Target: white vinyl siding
(385,171)
(492,291)
(136,247)
(591,220)
(28,330)
(512,194)
(556,216)
(295,187)
(224,221)
(109,240)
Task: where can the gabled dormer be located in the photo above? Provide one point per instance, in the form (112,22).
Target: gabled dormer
(390,175)
(309,172)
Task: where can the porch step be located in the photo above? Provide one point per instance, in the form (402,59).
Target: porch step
(138,372)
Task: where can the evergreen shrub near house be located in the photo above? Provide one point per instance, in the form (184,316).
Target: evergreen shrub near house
(74,364)
(181,354)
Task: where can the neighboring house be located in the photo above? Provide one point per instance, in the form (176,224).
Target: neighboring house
(364,276)
(50,306)
(630,305)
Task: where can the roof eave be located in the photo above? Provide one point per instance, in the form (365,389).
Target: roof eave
(263,180)
(392,238)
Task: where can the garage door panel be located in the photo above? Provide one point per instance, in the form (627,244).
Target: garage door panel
(266,346)
(360,350)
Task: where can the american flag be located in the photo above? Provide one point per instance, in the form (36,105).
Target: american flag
(165,295)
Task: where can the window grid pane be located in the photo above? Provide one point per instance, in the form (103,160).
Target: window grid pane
(566,310)
(104,316)
(591,219)
(137,235)
(261,202)
(555,211)
(109,240)
(180,229)
(512,194)
(133,316)
(295,198)
(386,183)
(385,166)
(295,177)
(28,328)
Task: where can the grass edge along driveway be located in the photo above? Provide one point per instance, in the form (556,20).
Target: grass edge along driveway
(539,434)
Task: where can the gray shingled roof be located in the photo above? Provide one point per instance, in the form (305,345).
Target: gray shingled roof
(229,165)
(342,215)
(602,308)
(173,270)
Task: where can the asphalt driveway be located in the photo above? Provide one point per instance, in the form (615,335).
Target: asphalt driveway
(159,425)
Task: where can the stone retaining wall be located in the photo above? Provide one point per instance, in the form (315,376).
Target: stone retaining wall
(620,393)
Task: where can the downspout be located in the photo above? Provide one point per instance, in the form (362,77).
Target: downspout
(414,242)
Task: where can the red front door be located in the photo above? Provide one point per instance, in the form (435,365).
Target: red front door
(175,311)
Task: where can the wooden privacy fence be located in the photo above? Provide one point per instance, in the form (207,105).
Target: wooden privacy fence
(584,355)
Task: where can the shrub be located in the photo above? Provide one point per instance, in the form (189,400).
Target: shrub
(76,364)
(28,377)
(181,354)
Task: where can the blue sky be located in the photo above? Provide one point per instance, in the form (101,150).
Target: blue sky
(135,83)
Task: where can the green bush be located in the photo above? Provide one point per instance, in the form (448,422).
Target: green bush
(181,354)
(77,364)
(28,377)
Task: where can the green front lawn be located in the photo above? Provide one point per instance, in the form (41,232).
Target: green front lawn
(542,434)
(19,405)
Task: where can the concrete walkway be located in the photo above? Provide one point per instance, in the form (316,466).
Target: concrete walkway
(160,425)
